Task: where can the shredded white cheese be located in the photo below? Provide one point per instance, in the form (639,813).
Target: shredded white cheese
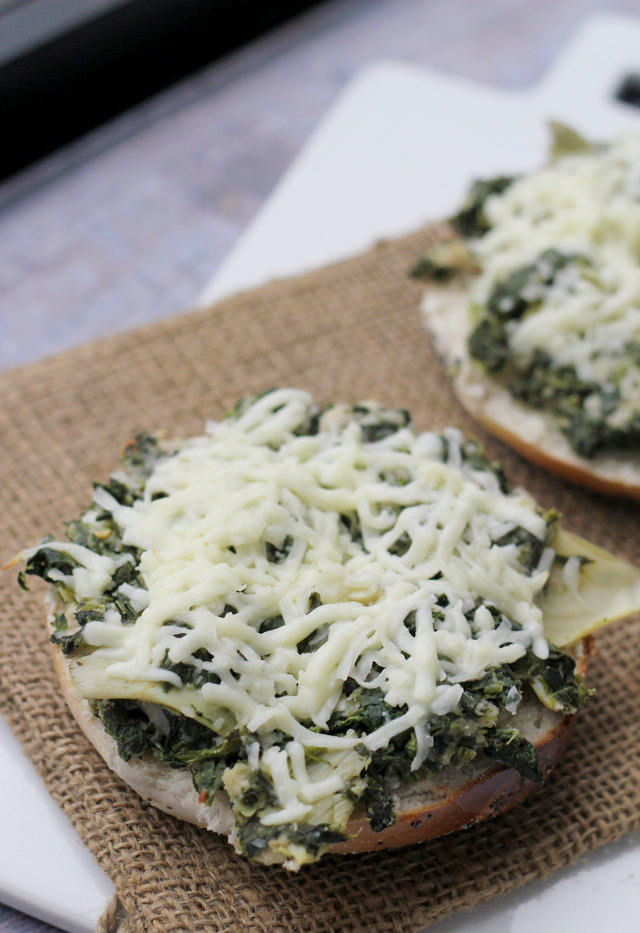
(250,522)
(585,204)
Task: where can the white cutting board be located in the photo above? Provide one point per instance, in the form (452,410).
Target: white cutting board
(401,145)
(396,150)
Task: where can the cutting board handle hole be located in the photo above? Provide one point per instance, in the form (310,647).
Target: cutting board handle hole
(629,90)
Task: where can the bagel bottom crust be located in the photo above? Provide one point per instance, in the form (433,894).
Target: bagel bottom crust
(491,793)
(434,806)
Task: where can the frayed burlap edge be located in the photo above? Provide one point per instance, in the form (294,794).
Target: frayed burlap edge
(114,918)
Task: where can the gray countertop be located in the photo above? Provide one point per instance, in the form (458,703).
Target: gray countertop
(128,225)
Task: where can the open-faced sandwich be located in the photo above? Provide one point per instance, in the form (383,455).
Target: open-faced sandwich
(534,304)
(318,630)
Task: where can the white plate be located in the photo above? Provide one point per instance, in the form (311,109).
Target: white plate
(397,149)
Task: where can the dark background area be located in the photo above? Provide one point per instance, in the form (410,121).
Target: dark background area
(62,87)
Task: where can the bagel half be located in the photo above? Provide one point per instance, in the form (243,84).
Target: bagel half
(315,630)
(533,304)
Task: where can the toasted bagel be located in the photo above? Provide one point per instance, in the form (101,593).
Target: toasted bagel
(315,630)
(533,302)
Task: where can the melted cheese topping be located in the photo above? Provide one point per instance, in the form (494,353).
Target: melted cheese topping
(248,549)
(586,204)
(203,525)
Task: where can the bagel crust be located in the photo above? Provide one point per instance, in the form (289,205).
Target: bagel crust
(168,789)
(482,797)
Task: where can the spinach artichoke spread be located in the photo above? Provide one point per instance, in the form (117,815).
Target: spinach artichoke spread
(303,608)
(555,295)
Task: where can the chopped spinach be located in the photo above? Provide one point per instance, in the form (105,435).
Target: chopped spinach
(351,524)
(189,742)
(268,625)
(471,220)
(530,547)
(544,383)
(70,641)
(310,425)
(127,723)
(401,545)
(142,455)
(511,749)
(316,636)
(377,801)
(589,413)
(313,640)
(123,494)
(510,299)
(190,674)
(474,456)
(59,622)
(489,343)
(277,553)
(486,697)
(254,837)
(207,777)
(377,422)
(48,563)
(555,682)
(364,710)
(107,541)
(257,794)
(181,743)
(67,641)
(409,622)
(474,727)
(126,572)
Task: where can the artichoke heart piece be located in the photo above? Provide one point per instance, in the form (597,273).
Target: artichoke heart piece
(566,141)
(587,590)
(445,260)
(92,679)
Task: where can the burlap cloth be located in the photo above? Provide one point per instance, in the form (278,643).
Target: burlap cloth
(347,332)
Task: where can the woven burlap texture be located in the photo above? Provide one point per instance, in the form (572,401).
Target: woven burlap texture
(348,332)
